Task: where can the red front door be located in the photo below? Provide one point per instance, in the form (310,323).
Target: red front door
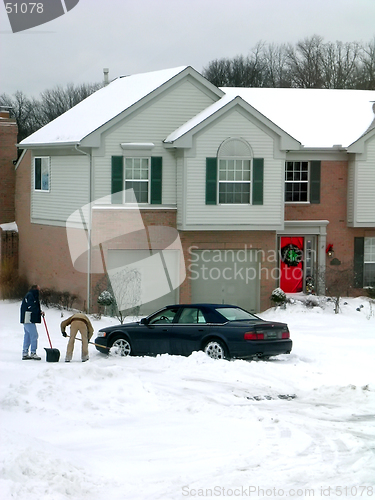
(291,264)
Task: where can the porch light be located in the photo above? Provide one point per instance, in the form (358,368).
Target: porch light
(330,250)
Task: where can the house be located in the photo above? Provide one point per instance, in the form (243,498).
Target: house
(180,191)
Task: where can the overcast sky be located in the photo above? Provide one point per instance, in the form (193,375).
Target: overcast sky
(136,36)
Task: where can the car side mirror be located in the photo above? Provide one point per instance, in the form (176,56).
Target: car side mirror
(144,321)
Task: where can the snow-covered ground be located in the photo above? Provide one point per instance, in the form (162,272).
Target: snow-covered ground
(171,427)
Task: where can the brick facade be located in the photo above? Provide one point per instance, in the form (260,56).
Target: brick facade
(8,154)
(332,207)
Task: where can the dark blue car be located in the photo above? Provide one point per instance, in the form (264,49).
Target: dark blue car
(221,331)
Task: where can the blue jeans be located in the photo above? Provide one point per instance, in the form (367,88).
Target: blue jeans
(30,338)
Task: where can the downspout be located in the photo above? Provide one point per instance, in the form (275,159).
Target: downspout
(89,246)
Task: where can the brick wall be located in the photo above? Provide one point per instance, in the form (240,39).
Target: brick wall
(8,153)
(44,256)
(332,207)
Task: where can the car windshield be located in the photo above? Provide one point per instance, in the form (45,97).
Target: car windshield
(235,314)
(164,316)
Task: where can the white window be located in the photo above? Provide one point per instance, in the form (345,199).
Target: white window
(369,262)
(234,181)
(137,173)
(296,181)
(42,173)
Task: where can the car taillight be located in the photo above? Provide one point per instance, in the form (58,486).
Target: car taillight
(285,335)
(253,336)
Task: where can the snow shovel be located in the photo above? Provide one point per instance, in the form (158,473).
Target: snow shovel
(93,343)
(53,355)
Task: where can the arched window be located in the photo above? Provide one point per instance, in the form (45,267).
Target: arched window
(234,169)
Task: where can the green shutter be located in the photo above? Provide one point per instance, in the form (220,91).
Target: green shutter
(359,250)
(211,181)
(117,185)
(156,180)
(258,168)
(315,182)
(38,173)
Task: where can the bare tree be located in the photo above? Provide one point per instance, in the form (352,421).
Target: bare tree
(339,65)
(56,101)
(339,281)
(277,73)
(367,69)
(308,64)
(32,114)
(218,72)
(305,63)
(23,110)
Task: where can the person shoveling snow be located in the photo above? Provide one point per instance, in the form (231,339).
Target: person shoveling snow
(78,322)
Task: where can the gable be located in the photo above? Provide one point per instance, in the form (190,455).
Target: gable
(109,103)
(183,136)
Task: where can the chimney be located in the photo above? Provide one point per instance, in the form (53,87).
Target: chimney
(106,80)
(5,112)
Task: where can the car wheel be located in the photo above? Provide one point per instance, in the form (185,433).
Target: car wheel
(215,349)
(121,347)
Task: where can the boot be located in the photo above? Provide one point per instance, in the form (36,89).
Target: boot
(34,355)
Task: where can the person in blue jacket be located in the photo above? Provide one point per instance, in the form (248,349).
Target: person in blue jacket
(31,313)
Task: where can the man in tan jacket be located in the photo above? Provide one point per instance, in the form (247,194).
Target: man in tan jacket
(79,322)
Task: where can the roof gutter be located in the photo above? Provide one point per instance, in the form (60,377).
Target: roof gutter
(39,145)
(89,244)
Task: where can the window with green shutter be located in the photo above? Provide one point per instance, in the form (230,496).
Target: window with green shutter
(302,181)
(258,175)
(156,180)
(232,179)
(140,177)
(315,182)
(359,249)
(211,181)
(117,184)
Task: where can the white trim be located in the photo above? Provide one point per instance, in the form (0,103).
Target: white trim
(143,146)
(133,207)
(41,190)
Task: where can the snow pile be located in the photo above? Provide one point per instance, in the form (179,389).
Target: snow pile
(171,427)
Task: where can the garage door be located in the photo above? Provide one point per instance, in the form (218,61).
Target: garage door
(144,279)
(225,277)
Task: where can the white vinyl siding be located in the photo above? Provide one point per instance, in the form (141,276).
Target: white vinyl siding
(69,189)
(270,214)
(365,185)
(152,124)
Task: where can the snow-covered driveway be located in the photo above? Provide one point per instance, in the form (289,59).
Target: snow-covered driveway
(171,427)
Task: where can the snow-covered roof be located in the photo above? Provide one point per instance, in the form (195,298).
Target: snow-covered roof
(99,108)
(315,117)
(199,118)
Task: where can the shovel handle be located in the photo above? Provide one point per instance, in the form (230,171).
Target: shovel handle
(93,343)
(45,324)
